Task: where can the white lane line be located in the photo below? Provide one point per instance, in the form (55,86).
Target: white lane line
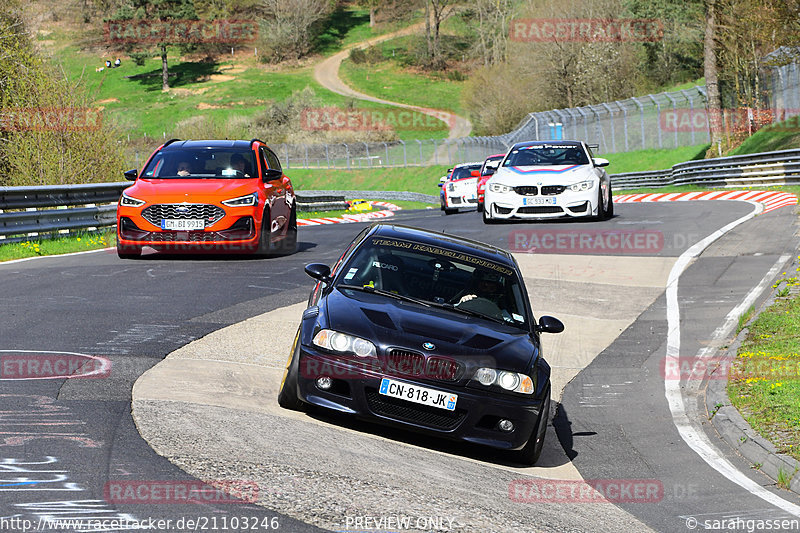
(12,261)
(688,430)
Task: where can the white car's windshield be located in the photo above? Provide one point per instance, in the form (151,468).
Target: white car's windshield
(547,154)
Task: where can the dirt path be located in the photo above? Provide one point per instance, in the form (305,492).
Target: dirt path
(327,74)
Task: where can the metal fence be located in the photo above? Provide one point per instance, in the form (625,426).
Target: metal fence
(767,169)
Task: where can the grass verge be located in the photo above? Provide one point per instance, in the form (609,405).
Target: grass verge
(642,160)
(80,242)
(412,179)
(764,382)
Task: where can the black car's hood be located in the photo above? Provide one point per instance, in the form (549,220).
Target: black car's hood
(389,322)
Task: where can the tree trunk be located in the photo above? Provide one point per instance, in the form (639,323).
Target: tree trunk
(372,11)
(714,104)
(164,69)
(428,29)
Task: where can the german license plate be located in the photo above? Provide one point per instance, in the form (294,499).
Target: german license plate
(182,223)
(539,201)
(417,394)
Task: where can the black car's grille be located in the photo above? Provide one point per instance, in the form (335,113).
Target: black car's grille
(550,190)
(210,213)
(526,190)
(408,363)
(405,362)
(539,210)
(423,415)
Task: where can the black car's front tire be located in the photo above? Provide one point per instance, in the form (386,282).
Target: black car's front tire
(287,396)
(531,452)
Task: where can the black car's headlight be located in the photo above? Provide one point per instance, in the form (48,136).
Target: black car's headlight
(582,186)
(511,381)
(344,343)
(248,199)
(130,201)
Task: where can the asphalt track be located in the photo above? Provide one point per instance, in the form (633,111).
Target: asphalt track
(64,440)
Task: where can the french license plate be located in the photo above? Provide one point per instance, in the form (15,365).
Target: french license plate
(539,201)
(182,223)
(417,394)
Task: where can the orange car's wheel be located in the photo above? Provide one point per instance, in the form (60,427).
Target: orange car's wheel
(289,243)
(265,247)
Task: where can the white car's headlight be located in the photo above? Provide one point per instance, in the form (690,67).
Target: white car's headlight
(130,201)
(249,199)
(512,381)
(342,342)
(498,187)
(582,186)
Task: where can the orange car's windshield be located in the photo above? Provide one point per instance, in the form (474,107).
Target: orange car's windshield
(201,163)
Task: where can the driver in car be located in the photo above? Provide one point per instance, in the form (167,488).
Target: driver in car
(238,163)
(486,295)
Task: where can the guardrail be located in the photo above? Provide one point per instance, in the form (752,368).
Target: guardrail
(46,211)
(766,169)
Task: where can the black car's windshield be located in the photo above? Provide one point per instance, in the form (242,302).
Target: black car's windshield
(463,172)
(547,154)
(438,276)
(202,163)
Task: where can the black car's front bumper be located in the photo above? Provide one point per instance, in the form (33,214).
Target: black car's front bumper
(475,418)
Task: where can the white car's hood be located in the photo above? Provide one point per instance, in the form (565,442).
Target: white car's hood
(545,175)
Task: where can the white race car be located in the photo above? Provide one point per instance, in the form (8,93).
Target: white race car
(549,179)
(460,189)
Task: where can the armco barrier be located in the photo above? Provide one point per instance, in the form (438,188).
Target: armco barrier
(48,210)
(766,169)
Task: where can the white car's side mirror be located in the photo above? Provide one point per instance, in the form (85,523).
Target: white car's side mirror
(600,162)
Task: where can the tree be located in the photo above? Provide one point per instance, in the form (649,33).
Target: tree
(489,22)
(162,11)
(436,12)
(289,26)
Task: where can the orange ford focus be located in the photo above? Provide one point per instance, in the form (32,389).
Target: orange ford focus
(208,196)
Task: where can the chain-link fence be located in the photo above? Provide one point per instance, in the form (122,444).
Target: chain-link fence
(665,120)
(784,87)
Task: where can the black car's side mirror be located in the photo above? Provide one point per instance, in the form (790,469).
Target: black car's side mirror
(272,174)
(131,174)
(319,271)
(549,324)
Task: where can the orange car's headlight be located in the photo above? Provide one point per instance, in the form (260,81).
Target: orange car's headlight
(249,199)
(130,201)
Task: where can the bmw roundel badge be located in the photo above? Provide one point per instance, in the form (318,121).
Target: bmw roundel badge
(428,346)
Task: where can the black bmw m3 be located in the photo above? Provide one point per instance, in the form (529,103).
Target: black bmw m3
(429,332)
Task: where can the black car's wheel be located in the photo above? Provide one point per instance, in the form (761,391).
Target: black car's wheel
(127,252)
(533,449)
(287,396)
(289,243)
(610,209)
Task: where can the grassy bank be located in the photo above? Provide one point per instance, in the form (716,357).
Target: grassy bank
(765,379)
(80,242)
(413,179)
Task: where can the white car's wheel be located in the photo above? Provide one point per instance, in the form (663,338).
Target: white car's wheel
(487,214)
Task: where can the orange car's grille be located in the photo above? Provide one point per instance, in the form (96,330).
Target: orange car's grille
(155,213)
